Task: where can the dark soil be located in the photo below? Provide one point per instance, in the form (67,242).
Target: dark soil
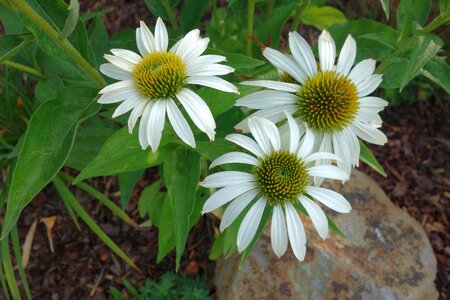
(416,160)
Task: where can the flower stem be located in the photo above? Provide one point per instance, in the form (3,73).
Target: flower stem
(23,68)
(65,44)
(170,14)
(250,20)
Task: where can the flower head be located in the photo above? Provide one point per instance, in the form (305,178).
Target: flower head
(153,83)
(281,177)
(330,101)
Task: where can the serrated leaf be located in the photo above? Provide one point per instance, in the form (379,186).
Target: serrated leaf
(368,158)
(47,144)
(181,176)
(322,17)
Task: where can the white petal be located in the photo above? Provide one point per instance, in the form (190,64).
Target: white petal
(143,140)
(161,38)
(198,110)
(235,157)
(118,96)
(115,72)
(134,116)
(267,99)
(327,51)
(265,134)
(127,54)
(278,232)
(120,62)
(328,171)
(307,143)
(294,133)
(225,195)
(213,82)
(371,102)
(179,123)
(194,50)
(155,124)
(347,56)
(209,69)
(362,71)
(342,149)
(369,133)
(145,40)
(246,143)
(329,198)
(325,146)
(127,105)
(250,224)
(302,54)
(285,63)
(227,178)
(205,60)
(117,86)
(369,116)
(320,155)
(317,216)
(236,207)
(182,45)
(370,85)
(273,114)
(296,232)
(274,85)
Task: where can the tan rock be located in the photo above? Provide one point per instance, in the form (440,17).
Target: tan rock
(385,255)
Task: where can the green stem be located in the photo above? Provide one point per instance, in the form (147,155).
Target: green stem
(298,15)
(438,21)
(23,68)
(170,13)
(250,21)
(65,44)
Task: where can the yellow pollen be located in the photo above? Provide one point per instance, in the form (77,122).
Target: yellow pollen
(160,75)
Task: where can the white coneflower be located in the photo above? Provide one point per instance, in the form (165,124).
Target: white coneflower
(329,101)
(281,177)
(153,84)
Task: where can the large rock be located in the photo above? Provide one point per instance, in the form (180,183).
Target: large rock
(385,255)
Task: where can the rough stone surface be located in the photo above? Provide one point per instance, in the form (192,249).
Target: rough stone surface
(385,255)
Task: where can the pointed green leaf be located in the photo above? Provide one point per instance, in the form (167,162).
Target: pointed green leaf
(127,181)
(368,158)
(438,71)
(385,6)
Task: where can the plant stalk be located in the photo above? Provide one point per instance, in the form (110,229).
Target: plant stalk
(250,21)
(23,68)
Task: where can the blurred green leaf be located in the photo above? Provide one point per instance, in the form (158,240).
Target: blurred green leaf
(127,182)
(322,17)
(99,40)
(166,240)
(438,71)
(48,142)
(149,202)
(425,47)
(368,158)
(409,11)
(238,61)
(10,21)
(181,176)
(47,88)
(444,6)
(71,20)
(120,153)
(8,269)
(157,7)
(11,44)
(385,6)
(191,13)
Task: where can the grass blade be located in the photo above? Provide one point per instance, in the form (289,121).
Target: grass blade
(8,269)
(3,281)
(16,248)
(73,202)
(115,209)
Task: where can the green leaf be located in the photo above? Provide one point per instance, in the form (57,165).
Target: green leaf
(88,141)
(181,176)
(148,202)
(99,40)
(71,20)
(119,154)
(438,71)
(166,226)
(409,11)
(272,27)
(191,13)
(217,247)
(127,181)
(11,23)
(368,158)
(62,189)
(385,6)
(11,44)
(157,7)
(424,49)
(444,6)
(8,269)
(238,61)
(55,12)
(335,228)
(47,144)
(322,17)
(47,88)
